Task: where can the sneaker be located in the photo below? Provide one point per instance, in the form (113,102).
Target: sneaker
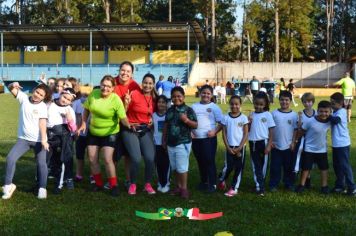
(300,189)
(132,189)
(127,184)
(78,178)
(273,189)
(95,188)
(222,185)
(184,193)
(165,189)
(351,192)
(338,190)
(261,193)
(231,193)
(42,193)
(107,185)
(202,187)
(148,188)
(210,189)
(70,184)
(115,191)
(324,190)
(91,180)
(8,190)
(175,192)
(57,191)
(159,187)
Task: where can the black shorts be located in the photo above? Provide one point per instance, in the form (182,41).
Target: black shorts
(348,103)
(102,141)
(309,158)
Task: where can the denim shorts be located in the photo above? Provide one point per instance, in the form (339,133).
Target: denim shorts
(179,157)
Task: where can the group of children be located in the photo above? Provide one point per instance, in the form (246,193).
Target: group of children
(293,141)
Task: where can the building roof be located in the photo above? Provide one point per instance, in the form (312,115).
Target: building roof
(174,33)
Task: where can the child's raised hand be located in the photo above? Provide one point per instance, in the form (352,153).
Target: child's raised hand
(127,98)
(15,85)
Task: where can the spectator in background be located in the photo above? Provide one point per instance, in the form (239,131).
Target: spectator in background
(348,90)
(254,85)
(159,85)
(167,87)
(222,94)
(291,87)
(228,87)
(248,94)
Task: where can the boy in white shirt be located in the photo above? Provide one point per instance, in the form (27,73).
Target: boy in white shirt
(315,146)
(283,143)
(341,147)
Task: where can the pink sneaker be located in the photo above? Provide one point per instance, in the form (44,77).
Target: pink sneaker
(231,193)
(222,185)
(132,189)
(148,188)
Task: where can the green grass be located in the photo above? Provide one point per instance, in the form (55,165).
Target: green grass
(78,212)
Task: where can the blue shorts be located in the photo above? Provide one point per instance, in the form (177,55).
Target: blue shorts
(179,157)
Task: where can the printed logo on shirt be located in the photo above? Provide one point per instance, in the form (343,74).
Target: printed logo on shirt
(264,120)
(208,109)
(240,124)
(289,122)
(160,125)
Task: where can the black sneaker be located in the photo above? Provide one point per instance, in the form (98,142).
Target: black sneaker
(210,189)
(351,192)
(300,189)
(308,183)
(57,191)
(70,184)
(127,184)
(324,190)
(95,188)
(338,190)
(202,187)
(115,191)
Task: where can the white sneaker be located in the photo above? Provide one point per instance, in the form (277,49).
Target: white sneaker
(8,190)
(165,189)
(42,193)
(159,187)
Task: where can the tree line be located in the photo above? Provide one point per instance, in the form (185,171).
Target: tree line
(272,30)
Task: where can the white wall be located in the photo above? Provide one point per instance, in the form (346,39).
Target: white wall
(312,74)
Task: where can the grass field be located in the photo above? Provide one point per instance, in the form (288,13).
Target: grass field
(78,212)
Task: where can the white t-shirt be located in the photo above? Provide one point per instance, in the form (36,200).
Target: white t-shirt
(306,118)
(207,115)
(158,123)
(286,124)
(261,122)
(315,136)
(234,128)
(29,117)
(339,132)
(56,114)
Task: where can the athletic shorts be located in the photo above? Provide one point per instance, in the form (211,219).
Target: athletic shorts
(179,157)
(309,158)
(348,103)
(102,141)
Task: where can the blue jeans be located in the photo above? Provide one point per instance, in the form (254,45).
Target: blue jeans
(281,159)
(342,168)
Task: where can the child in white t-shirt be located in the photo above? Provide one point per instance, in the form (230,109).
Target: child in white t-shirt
(283,143)
(315,146)
(61,124)
(161,155)
(235,133)
(31,134)
(204,142)
(260,139)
